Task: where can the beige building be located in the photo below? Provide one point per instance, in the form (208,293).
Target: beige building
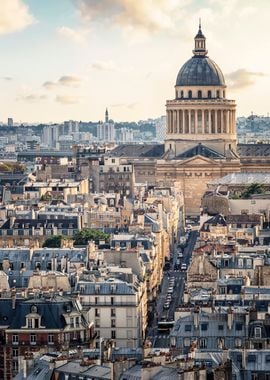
(118,309)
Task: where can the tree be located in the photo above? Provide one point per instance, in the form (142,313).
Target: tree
(253,188)
(53,242)
(82,237)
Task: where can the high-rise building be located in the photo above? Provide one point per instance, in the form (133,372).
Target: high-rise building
(10,122)
(50,135)
(106,130)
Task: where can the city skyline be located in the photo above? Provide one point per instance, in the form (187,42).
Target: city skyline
(74,58)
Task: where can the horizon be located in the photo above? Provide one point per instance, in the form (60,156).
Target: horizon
(72,59)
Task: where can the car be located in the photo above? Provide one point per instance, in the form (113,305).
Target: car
(184,266)
(170,289)
(166,305)
(171,283)
(180,255)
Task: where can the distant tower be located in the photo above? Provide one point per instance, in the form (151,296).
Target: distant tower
(106,116)
(10,122)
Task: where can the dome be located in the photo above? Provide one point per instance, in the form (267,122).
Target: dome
(200,71)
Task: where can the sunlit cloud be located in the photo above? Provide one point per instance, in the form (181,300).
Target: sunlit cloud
(104,65)
(65,80)
(67,99)
(79,36)
(14,16)
(242,78)
(150,15)
(8,79)
(32,98)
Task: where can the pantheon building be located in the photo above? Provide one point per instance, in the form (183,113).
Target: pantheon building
(201,143)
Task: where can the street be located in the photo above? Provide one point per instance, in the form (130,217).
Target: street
(160,339)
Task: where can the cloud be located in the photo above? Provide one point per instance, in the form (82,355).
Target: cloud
(8,79)
(67,99)
(14,16)
(149,15)
(104,65)
(242,78)
(32,98)
(79,36)
(65,80)
(124,105)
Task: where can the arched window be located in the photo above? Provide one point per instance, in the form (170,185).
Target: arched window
(218,94)
(199,94)
(209,94)
(190,94)
(182,94)
(224,94)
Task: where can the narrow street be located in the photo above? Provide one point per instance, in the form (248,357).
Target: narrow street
(160,339)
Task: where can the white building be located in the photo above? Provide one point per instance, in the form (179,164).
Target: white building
(106,130)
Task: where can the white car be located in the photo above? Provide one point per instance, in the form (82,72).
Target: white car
(184,266)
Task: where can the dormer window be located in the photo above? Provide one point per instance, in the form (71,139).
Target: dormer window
(257,332)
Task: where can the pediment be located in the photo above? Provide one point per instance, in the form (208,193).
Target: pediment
(196,161)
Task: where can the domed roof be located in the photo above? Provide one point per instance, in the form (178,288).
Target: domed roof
(200,71)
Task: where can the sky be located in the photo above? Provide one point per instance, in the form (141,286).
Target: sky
(70,59)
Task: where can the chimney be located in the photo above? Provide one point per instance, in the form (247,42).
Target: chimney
(230,318)
(196,317)
(13,299)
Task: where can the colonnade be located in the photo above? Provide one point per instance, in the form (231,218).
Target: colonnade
(201,121)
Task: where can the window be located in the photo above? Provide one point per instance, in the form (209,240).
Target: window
(204,326)
(240,263)
(187,327)
(238,326)
(186,342)
(251,358)
(238,343)
(97,314)
(113,334)
(113,324)
(112,300)
(199,94)
(15,339)
(71,322)
(96,300)
(220,327)
(257,332)
(15,352)
(97,323)
(218,94)
(190,94)
(113,313)
(209,94)
(33,339)
(182,94)
(50,339)
(203,343)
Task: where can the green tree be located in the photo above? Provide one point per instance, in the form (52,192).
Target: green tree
(53,242)
(253,188)
(82,237)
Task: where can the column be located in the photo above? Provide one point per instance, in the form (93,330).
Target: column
(203,128)
(184,121)
(209,121)
(195,122)
(221,121)
(171,123)
(189,121)
(228,122)
(233,124)
(215,122)
(168,123)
